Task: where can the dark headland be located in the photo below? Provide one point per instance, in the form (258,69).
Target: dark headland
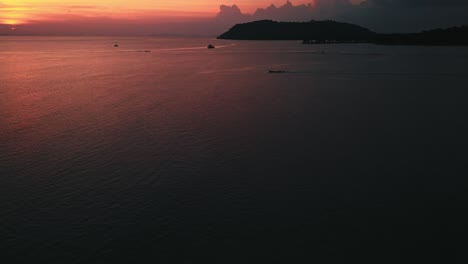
(272,30)
(338,32)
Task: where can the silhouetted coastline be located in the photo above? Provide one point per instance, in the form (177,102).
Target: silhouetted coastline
(454,36)
(272,30)
(330,32)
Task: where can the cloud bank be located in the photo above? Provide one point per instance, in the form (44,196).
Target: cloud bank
(408,15)
(378,15)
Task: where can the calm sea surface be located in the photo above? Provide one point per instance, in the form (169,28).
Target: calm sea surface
(184,154)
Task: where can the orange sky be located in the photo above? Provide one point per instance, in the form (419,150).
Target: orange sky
(15,12)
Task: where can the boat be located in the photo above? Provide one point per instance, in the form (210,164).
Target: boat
(116,45)
(273,71)
(211,46)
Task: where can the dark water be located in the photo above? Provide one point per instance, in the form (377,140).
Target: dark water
(186,154)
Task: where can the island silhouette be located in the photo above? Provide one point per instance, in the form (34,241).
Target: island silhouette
(329,31)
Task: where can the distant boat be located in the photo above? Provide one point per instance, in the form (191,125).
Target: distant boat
(116,45)
(211,46)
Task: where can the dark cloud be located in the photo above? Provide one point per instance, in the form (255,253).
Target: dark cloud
(407,15)
(378,15)
(418,3)
(229,11)
(231,15)
(286,12)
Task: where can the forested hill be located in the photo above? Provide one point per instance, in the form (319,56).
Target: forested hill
(272,30)
(337,32)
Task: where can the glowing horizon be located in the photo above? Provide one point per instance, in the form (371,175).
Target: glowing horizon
(18,12)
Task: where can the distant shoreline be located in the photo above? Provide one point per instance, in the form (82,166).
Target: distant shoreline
(332,32)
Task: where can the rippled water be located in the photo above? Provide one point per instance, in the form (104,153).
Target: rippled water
(184,153)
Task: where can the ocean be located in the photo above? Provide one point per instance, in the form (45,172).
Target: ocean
(186,154)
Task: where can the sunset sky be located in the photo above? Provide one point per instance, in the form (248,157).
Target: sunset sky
(142,17)
(15,12)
